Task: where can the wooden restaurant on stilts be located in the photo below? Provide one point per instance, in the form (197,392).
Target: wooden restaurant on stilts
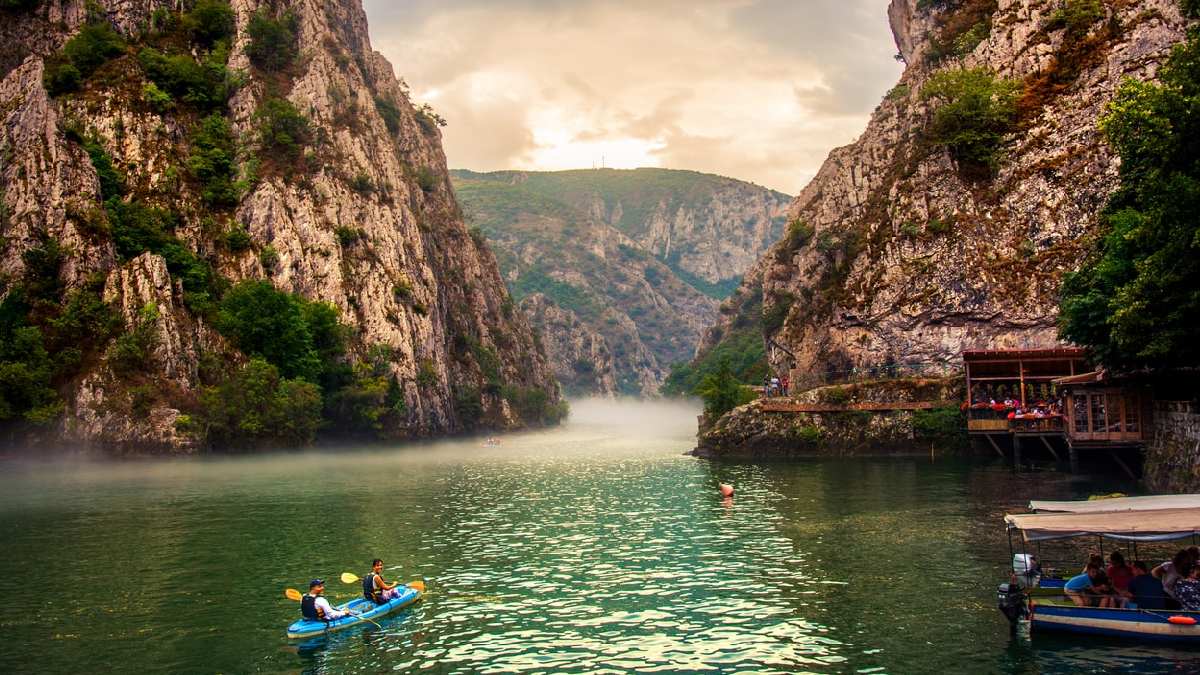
(1051,400)
(1011,394)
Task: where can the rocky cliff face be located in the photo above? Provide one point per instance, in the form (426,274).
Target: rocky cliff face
(580,357)
(897,253)
(362,216)
(639,258)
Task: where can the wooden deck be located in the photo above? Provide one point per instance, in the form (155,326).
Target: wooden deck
(788,406)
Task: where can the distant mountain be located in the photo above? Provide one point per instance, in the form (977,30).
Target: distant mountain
(633,261)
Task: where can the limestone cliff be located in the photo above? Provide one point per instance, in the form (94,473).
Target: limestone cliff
(639,257)
(580,357)
(898,254)
(361,216)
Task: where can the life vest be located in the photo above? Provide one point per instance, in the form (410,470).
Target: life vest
(370,592)
(309,609)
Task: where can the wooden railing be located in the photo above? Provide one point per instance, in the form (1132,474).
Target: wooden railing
(779,405)
(990,425)
(1038,425)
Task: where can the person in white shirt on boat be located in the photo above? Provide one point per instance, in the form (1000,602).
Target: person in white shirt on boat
(316,607)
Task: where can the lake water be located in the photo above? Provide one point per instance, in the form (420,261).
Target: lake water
(596,547)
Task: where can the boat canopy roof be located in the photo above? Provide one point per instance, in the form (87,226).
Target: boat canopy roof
(1151,503)
(1130,525)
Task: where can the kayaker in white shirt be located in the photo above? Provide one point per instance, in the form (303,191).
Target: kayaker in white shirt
(316,606)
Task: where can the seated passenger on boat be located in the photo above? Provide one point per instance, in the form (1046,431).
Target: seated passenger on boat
(316,607)
(375,588)
(1119,572)
(1168,572)
(1091,589)
(1187,589)
(1146,589)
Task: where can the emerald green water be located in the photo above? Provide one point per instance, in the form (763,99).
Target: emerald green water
(597,547)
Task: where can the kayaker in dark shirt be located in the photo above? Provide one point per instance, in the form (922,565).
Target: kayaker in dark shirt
(375,588)
(1146,589)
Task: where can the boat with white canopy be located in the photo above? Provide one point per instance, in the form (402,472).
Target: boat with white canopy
(1108,505)
(1043,601)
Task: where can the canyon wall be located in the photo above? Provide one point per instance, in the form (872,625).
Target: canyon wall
(898,253)
(361,216)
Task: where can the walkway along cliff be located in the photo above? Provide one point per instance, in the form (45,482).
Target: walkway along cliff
(155,162)
(948,225)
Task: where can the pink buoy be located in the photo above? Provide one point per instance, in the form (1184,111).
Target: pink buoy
(726,490)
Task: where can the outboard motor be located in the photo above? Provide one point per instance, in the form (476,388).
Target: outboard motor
(1010,598)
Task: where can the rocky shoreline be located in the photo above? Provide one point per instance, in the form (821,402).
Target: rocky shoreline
(832,421)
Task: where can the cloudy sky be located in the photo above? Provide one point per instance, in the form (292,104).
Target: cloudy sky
(759,90)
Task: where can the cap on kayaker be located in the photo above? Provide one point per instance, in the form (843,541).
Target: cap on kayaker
(316,582)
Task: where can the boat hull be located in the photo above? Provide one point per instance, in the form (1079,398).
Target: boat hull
(365,609)
(1124,623)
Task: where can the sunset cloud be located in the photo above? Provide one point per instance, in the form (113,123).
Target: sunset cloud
(759,90)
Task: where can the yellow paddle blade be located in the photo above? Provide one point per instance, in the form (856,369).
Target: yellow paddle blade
(293,594)
(417,585)
(348,578)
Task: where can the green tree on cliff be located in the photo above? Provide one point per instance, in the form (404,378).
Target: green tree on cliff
(1136,300)
(722,392)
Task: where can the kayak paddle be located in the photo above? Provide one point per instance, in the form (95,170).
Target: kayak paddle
(348,578)
(294,595)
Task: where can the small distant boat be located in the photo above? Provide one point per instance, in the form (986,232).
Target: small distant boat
(1042,601)
(491,442)
(363,610)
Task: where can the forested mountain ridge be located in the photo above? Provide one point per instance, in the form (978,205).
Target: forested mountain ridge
(226,223)
(708,229)
(634,259)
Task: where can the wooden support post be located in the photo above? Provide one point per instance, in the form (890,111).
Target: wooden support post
(994,446)
(1123,465)
(1016,452)
(967,371)
(1073,458)
(1021,368)
(1050,447)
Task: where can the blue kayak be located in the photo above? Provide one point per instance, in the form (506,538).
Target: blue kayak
(363,609)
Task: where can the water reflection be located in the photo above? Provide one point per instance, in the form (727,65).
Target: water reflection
(597,547)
